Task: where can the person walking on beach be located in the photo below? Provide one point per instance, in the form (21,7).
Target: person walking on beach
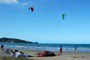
(61,49)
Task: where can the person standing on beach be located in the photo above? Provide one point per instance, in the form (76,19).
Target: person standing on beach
(61,49)
(75,48)
(2,47)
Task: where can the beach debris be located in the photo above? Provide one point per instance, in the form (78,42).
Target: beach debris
(31,8)
(63,16)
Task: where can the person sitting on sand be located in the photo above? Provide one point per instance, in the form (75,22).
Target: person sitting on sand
(12,52)
(21,54)
(45,53)
(17,53)
(24,55)
(7,51)
(49,53)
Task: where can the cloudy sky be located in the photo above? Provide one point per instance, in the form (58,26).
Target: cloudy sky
(45,24)
(9,1)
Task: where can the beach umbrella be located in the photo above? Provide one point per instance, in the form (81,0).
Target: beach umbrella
(31,9)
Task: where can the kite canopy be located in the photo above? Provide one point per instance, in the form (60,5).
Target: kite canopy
(31,8)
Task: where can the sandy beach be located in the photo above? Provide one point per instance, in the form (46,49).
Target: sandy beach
(64,56)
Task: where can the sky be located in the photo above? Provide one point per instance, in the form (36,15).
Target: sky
(45,24)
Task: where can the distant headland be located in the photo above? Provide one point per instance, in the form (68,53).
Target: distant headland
(15,40)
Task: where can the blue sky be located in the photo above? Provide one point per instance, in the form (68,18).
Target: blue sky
(45,24)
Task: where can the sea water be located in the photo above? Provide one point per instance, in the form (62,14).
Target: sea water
(49,47)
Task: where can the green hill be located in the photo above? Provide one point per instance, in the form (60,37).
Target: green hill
(14,40)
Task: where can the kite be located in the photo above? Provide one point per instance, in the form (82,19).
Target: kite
(63,16)
(31,8)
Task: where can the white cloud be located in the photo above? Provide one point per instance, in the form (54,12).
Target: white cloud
(9,1)
(24,4)
(14,2)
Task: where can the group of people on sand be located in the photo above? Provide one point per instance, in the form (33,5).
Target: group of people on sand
(49,53)
(45,54)
(14,53)
(17,53)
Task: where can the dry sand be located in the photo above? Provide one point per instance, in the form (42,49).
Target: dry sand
(64,56)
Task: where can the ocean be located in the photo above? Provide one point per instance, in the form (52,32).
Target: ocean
(49,47)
